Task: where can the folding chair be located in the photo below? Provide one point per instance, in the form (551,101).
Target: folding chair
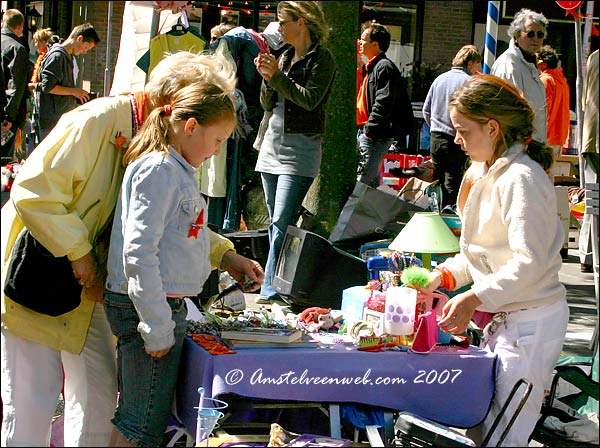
(571,407)
(412,430)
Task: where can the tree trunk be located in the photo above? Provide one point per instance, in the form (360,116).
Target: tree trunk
(337,176)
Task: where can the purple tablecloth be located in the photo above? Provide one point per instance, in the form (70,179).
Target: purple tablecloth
(452,389)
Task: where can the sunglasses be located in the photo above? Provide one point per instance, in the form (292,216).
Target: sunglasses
(283,22)
(538,34)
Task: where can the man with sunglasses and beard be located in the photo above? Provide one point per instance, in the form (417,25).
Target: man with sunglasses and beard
(518,64)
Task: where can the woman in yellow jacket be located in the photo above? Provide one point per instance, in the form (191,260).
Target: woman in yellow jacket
(65,195)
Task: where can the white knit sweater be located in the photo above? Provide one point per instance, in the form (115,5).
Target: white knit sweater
(511,235)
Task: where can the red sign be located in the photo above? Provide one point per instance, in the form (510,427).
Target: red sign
(569,4)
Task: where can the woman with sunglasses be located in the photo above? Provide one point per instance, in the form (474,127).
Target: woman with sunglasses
(518,64)
(293,94)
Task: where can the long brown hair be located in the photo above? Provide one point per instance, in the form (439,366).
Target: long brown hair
(486,97)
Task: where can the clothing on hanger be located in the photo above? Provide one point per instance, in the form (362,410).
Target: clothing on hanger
(172,43)
(193,41)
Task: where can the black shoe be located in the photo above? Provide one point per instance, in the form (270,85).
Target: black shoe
(587,268)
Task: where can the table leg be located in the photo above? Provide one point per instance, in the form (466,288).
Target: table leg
(388,422)
(374,436)
(334,421)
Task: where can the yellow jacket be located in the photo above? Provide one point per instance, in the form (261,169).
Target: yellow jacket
(65,194)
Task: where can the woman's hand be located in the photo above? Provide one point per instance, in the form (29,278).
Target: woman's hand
(266,64)
(457,313)
(247,272)
(86,273)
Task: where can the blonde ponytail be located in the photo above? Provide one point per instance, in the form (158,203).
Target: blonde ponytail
(153,136)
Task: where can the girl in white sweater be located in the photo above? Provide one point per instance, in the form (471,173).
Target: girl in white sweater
(509,246)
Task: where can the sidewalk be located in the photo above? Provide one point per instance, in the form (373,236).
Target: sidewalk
(582,306)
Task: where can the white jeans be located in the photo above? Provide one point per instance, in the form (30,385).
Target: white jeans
(32,378)
(585,233)
(528,344)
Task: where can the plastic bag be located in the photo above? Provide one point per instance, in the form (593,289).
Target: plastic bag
(371,214)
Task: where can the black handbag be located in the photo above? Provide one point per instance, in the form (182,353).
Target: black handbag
(38,280)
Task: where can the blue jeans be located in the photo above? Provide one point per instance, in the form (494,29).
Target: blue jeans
(284,194)
(146,384)
(371,155)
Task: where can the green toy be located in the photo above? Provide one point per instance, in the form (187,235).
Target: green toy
(415,276)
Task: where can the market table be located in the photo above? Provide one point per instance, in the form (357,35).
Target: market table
(453,389)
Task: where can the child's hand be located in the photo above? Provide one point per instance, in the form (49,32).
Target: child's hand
(435,280)
(457,313)
(248,273)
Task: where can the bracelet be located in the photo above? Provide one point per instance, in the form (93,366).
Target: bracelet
(448,283)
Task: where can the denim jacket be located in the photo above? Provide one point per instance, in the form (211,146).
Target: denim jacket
(154,251)
(306,88)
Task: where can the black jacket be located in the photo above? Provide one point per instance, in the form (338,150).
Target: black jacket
(16,69)
(243,49)
(306,89)
(388,104)
(56,69)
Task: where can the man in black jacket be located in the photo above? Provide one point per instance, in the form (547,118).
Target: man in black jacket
(16,72)
(384,110)
(57,77)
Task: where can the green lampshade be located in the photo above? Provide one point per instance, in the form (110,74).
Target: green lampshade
(426,233)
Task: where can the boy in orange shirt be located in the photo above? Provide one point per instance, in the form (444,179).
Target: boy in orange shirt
(557,98)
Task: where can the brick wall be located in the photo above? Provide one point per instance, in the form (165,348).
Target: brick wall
(447,26)
(95,60)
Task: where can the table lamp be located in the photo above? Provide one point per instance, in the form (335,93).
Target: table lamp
(426,233)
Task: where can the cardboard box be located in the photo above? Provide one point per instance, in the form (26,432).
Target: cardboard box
(560,169)
(394,182)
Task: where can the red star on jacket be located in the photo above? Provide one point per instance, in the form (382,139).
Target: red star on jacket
(197,226)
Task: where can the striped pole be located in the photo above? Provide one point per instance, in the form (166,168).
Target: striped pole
(491,33)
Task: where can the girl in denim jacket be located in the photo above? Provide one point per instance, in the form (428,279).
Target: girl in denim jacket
(159,250)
